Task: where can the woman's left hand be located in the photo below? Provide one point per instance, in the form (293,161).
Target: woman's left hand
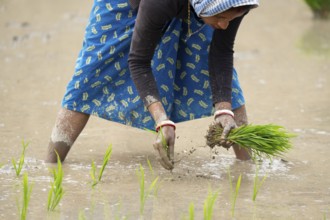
(227,122)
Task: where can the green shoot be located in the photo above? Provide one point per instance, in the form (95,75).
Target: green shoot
(208,204)
(257,184)
(93,174)
(151,131)
(164,143)
(234,194)
(163,138)
(82,215)
(150,167)
(191,211)
(106,158)
(144,194)
(56,191)
(26,196)
(19,164)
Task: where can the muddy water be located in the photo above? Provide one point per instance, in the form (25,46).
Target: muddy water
(283,58)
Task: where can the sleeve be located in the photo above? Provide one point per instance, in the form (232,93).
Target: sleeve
(221,58)
(151,19)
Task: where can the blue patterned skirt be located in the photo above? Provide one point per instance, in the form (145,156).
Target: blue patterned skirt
(101,84)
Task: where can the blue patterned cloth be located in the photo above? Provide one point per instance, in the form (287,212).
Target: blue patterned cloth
(101,84)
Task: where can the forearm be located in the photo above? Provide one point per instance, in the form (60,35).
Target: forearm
(157,112)
(151,19)
(221,59)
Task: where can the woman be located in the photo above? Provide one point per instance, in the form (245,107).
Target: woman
(167,54)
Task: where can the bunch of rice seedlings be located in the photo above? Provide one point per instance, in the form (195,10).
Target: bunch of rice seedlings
(144,194)
(19,164)
(26,196)
(56,191)
(106,158)
(269,140)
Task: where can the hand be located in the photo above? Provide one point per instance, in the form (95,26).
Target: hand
(164,145)
(227,122)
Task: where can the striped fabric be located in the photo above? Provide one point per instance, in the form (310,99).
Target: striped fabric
(208,8)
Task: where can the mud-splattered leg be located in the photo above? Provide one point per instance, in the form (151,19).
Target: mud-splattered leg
(241,119)
(68,126)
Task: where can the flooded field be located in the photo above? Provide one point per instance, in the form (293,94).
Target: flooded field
(283,59)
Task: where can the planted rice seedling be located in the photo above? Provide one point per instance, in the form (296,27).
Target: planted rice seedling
(106,158)
(93,174)
(257,184)
(209,203)
(269,140)
(19,164)
(56,191)
(150,167)
(191,211)
(144,194)
(234,193)
(26,197)
(82,215)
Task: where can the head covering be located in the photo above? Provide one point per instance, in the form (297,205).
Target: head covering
(208,8)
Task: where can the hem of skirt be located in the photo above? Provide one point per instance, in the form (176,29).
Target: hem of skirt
(141,126)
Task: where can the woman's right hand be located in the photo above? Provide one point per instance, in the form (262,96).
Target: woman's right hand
(164,145)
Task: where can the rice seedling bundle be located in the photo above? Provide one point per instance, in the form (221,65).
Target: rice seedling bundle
(269,140)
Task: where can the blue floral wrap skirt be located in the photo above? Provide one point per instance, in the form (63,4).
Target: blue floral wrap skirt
(102,86)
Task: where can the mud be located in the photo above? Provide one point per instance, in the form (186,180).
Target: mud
(283,59)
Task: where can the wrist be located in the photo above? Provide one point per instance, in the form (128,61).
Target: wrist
(218,113)
(165,123)
(222,105)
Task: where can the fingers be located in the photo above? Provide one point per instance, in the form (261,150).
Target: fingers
(226,144)
(163,158)
(225,132)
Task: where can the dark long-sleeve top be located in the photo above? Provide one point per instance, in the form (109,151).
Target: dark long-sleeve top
(153,15)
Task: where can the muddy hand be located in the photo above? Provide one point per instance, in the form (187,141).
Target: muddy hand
(164,145)
(227,122)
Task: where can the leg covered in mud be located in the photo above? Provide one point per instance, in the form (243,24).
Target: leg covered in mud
(68,126)
(241,119)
